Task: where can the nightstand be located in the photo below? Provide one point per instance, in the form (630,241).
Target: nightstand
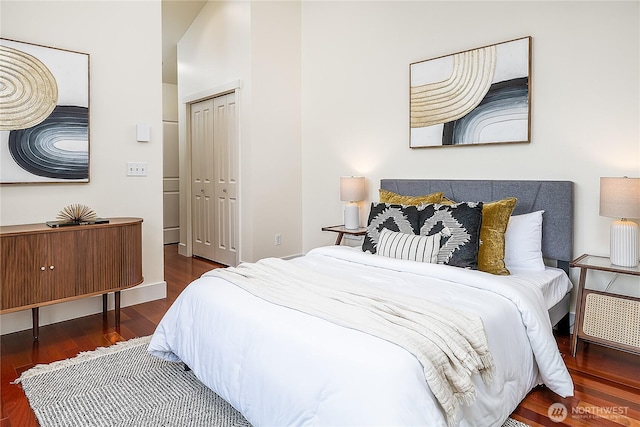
(605,317)
(341,230)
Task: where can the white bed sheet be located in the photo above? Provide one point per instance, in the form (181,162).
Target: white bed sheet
(281,367)
(552,282)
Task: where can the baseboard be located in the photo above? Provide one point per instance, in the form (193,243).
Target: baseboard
(171,236)
(182,249)
(54,313)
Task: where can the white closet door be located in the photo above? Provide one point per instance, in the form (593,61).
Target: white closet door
(214,171)
(225,154)
(202,177)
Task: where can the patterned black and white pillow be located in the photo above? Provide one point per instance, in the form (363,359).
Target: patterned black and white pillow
(400,218)
(464,221)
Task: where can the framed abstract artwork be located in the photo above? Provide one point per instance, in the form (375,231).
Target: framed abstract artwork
(479,96)
(44,114)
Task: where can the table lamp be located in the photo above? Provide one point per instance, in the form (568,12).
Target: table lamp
(620,198)
(351,191)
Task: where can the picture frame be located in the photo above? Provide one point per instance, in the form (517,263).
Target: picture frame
(44,132)
(474,97)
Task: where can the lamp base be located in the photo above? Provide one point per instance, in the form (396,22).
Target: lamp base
(624,243)
(351,216)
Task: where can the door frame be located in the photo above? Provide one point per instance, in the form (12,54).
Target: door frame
(186,248)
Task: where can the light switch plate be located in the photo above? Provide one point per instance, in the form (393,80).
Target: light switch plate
(143,132)
(136,168)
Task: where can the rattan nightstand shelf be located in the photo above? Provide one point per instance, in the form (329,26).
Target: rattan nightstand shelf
(604,317)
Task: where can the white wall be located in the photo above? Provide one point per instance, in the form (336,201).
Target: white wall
(355,68)
(275,146)
(169,102)
(258,44)
(124,43)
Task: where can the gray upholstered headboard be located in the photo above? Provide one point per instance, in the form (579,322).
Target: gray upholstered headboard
(554,197)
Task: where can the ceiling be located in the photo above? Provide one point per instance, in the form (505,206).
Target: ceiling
(177,16)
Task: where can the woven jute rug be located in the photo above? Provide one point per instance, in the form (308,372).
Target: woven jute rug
(123,385)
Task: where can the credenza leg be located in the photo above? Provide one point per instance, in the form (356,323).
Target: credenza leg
(35,318)
(104,305)
(117,308)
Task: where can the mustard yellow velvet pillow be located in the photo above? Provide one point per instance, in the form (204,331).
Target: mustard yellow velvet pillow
(391,197)
(495,218)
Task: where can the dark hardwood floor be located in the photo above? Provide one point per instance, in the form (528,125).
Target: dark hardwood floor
(607,382)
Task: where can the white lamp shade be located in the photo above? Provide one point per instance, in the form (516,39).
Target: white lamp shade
(351,188)
(620,197)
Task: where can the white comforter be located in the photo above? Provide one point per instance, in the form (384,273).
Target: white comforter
(281,367)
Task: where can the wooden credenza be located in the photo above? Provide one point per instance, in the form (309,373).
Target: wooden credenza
(40,265)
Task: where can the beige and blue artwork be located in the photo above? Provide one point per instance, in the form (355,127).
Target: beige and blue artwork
(44,114)
(479,96)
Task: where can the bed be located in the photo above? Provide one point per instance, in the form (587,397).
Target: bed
(284,361)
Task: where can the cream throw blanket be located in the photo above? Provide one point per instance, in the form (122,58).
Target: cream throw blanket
(450,345)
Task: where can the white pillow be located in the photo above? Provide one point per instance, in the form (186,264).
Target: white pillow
(523,243)
(410,247)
